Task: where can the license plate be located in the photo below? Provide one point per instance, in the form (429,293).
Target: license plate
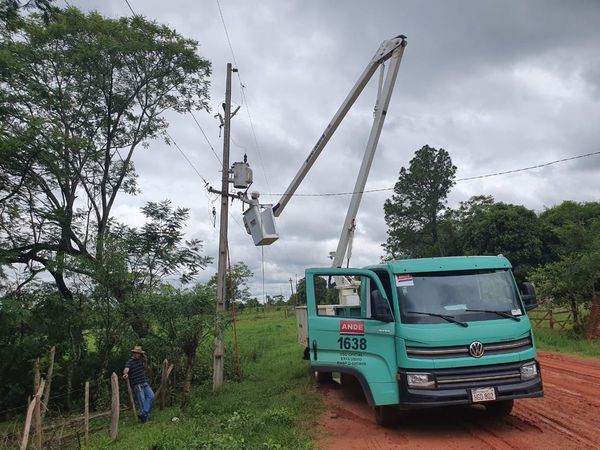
(483,394)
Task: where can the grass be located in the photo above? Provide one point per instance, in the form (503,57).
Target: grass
(271,408)
(566,342)
(563,340)
(275,406)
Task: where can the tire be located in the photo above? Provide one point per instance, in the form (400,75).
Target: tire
(386,416)
(499,409)
(323,377)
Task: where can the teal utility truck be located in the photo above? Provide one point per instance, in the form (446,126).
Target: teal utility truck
(421,333)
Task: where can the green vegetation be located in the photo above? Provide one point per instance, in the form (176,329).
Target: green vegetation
(270,408)
(566,342)
(557,249)
(82,94)
(413,212)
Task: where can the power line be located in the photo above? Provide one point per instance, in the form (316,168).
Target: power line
(489,175)
(227,34)
(206,137)
(197,123)
(530,167)
(244,99)
(130,8)
(186,158)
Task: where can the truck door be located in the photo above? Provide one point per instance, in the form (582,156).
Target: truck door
(353,330)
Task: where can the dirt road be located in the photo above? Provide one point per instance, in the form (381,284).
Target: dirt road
(567,417)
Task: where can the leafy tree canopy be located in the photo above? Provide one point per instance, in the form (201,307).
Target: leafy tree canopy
(240,274)
(572,238)
(500,228)
(413,213)
(78,96)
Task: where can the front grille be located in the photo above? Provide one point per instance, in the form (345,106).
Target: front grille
(494,348)
(479,376)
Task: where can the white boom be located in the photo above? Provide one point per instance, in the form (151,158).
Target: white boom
(393,50)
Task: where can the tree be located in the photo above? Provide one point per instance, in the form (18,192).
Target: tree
(78,97)
(452,223)
(240,274)
(569,227)
(413,213)
(301,292)
(499,228)
(572,248)
(325,292)
(252,303)
(184,318)
(572,280)
(11,19)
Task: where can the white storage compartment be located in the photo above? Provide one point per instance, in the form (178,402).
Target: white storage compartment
(302,325)
(260,223)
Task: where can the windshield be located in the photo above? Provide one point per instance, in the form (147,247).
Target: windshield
(457,295)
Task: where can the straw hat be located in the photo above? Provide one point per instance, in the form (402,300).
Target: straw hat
(138,349)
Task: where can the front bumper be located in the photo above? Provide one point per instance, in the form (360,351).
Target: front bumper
(453,386)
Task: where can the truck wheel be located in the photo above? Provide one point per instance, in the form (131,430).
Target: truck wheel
(499,409)
(386,416)
(323,377)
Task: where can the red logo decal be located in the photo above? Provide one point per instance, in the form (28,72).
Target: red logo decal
(352,327)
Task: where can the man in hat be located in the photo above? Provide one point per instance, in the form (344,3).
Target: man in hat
(135,372)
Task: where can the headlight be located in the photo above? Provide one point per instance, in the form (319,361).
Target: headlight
(529,371)
(420,380)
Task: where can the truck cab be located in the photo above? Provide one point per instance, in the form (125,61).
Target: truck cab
(420,333)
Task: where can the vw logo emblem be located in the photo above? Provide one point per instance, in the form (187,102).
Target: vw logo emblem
(476,349)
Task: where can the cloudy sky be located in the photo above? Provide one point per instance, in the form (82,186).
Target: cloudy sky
(499,85)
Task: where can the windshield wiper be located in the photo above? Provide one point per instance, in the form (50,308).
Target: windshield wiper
(448,318)
(500,313)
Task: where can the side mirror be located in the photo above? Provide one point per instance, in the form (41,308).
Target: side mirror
(528,296)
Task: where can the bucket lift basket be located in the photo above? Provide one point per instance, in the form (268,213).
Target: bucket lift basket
(260,223)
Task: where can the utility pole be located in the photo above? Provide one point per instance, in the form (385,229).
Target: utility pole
(219,354)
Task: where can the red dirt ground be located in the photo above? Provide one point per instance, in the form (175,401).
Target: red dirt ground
(567,417)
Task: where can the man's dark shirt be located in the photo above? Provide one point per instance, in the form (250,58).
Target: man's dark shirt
(137,374)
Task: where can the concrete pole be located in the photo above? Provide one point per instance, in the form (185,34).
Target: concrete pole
(219,353)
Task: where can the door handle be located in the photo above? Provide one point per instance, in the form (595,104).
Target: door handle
(314,346)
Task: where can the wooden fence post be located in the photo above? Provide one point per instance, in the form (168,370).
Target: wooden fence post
(163,385)
(48,382)
(551,320)
(37,415)
(115,408)
(131,399)
(86,414)
(29,415)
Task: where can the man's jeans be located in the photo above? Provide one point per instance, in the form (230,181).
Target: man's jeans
(145,397)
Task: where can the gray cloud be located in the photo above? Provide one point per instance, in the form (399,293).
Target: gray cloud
(500,85)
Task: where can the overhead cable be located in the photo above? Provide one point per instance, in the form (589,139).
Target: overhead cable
(206,137)
(477,177)
(186,158)
(244,98)
(130,8)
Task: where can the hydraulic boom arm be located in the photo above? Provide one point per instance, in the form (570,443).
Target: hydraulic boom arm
(392,49)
